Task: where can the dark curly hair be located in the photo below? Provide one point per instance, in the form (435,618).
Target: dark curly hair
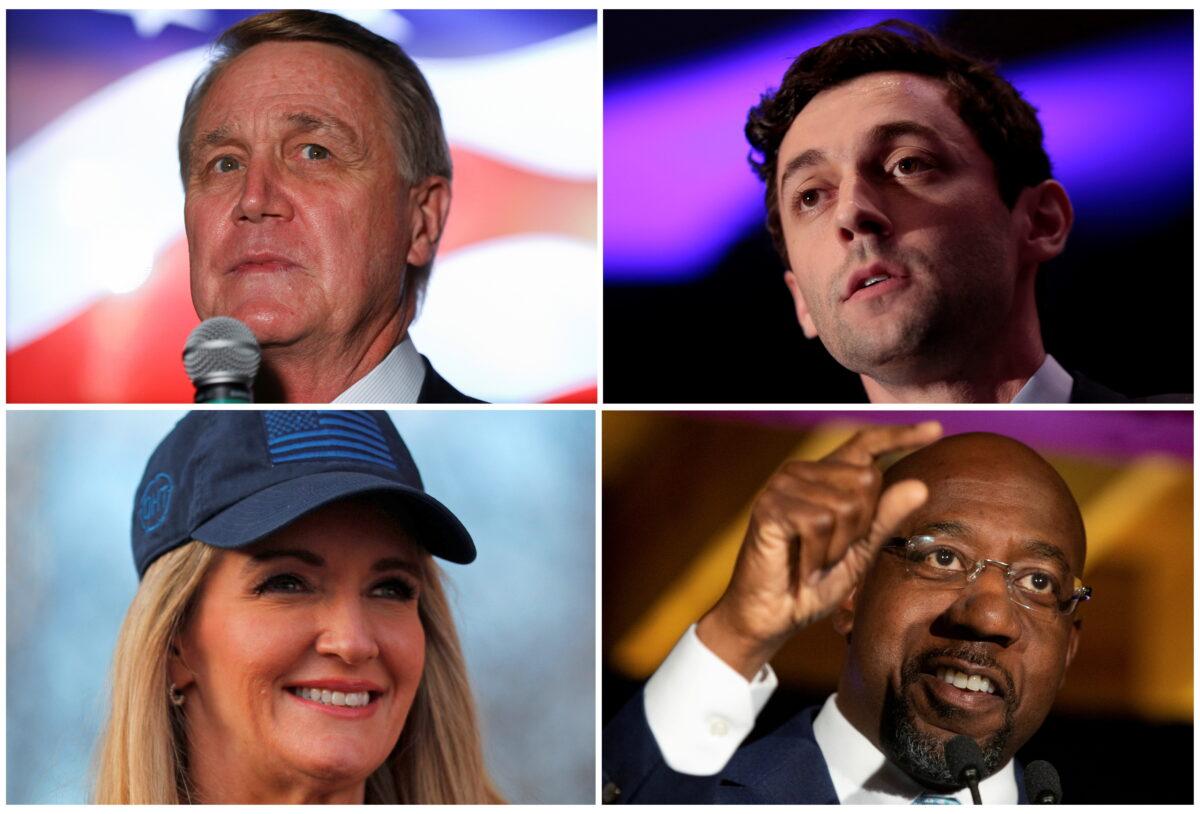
(1005,124)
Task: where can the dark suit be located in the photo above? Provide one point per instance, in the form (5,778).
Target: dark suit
(436,390)
(782,766)
(1086,391)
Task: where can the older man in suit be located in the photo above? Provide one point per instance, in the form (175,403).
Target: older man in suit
(317,179)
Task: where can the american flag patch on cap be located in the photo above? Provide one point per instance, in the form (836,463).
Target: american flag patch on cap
(326,435)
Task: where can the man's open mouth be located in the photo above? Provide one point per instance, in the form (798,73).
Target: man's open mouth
(965,680)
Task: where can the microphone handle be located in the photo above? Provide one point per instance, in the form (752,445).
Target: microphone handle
(971,775)
(224,393)
(1046,798)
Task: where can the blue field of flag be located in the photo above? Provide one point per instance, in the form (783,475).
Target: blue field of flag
(309,435)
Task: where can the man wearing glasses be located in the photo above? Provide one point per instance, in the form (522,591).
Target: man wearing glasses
(954,578)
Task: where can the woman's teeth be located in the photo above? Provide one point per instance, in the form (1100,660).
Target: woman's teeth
(964,681)
(333,697)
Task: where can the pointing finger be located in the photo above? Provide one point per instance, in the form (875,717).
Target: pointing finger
(869,444)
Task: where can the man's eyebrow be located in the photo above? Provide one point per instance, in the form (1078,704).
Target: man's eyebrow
(948,527)
(303,121)
(1048,551)
(217,135)
(808,158)
(889,131)
(313,123)
(306,557)
(879,134)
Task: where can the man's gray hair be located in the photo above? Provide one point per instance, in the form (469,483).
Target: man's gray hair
(421,140)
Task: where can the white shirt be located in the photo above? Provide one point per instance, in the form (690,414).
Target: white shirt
(700,710)
(1050,384)
(395,380)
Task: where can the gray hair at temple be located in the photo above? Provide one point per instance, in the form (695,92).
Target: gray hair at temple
(421,139)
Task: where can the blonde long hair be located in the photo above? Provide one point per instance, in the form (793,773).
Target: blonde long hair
(142,755)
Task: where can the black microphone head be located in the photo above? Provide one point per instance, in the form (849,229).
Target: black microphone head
(221,350)
(963,753)
(1041,783)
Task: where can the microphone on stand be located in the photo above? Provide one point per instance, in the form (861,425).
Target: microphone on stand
(221,357)
(1042,784)
(965,761)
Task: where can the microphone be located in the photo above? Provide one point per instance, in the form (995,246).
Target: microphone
(221,358)
(965,761)
(1042,784)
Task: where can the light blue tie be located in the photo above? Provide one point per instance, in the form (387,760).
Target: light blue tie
(927,799)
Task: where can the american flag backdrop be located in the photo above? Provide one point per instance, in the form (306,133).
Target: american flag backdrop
(97,289)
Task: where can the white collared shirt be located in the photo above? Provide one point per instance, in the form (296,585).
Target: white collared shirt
(1051,384)
(700,709)
(395,380)
(861,773)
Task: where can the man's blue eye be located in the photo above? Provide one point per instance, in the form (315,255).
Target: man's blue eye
(314,152)
(226,163)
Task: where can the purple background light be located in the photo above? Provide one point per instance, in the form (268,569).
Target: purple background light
(1102,433)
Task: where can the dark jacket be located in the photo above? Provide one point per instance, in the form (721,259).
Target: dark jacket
(436,390)
(783,766)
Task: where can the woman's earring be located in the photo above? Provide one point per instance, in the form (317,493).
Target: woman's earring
(177,697)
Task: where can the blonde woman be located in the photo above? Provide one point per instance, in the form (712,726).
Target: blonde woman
(290,641)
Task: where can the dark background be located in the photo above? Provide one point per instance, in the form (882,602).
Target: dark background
(1116,306)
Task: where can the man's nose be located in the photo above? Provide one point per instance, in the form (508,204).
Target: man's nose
(264,193)
(984,610)
(346,632)
(860,211)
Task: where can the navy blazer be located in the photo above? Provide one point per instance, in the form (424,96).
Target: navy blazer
(783,766)
(436,390)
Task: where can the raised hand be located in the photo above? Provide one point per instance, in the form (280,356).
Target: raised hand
(814,530)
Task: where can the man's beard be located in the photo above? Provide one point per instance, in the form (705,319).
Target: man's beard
(922,755)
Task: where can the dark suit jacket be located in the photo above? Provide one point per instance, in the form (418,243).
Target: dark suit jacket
(1086,391)
(783,766)
(436,390)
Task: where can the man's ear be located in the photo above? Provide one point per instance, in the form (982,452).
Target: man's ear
(843,614)
(429,202)
(802,316)
(1046,219)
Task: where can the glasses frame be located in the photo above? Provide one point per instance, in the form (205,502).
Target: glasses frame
(901,546)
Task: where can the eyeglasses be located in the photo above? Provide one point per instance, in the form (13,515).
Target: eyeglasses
(1043,586)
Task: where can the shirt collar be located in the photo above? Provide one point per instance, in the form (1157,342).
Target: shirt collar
(395,380)
(1051,384)
(862,774)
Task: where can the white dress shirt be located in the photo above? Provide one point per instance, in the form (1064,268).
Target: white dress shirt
(700,710)
(395,380)
(1050,384)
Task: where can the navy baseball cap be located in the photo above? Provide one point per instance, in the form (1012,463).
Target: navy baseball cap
(231,477)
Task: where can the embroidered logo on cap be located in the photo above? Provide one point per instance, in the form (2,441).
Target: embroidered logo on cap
(325,435)
(156,500)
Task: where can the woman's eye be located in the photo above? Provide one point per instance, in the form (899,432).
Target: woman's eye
(226,163)
(282,584)
(394,589)
(314,152)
